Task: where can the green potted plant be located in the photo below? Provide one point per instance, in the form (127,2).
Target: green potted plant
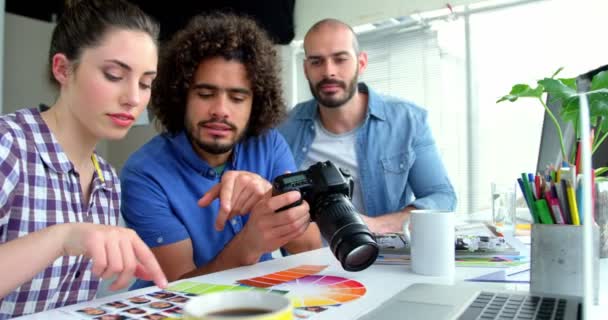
(564,91)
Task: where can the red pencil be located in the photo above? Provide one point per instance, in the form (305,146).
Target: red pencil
(539,191)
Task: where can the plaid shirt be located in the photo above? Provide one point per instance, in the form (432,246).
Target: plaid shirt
(40,188)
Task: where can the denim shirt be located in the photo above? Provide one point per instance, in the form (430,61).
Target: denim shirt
(399,164)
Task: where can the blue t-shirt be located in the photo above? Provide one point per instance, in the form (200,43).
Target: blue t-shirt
(164,179)
(399,164)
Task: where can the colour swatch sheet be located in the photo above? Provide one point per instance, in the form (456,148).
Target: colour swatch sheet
(310,291)
(315,281)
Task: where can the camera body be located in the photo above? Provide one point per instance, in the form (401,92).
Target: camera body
(315,184)
(328,191)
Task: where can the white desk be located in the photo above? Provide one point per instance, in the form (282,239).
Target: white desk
(381,282)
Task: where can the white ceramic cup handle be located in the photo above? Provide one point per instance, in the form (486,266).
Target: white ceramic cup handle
(406,231)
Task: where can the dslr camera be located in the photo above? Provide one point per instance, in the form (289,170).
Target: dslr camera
(328,191)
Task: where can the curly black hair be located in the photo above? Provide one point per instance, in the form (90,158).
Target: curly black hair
(232,37)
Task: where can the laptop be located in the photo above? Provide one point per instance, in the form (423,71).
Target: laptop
(466,301)
(463,302)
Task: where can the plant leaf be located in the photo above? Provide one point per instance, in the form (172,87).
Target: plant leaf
(598,106)
(601,130)
(522,91)
(557,89)
(599,171)
(569,108)
(556,72)
(569,82)
(602,126)
(598,103)
(600,81)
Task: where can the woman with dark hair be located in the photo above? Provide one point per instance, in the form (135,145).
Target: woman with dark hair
(59,200)
(218,97)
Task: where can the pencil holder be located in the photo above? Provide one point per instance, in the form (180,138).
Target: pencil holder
(601,215)
(556,262)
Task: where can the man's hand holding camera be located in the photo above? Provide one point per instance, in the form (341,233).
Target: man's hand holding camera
(241,192)
(268,230)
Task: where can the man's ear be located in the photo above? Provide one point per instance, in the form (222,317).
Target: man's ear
(362,61)
(61,68)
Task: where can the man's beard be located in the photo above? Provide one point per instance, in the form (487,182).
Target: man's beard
(215,147)
(332,102)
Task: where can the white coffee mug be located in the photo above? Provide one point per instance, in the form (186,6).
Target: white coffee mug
(432,247)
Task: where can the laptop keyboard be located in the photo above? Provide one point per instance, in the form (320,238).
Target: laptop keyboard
(489,305)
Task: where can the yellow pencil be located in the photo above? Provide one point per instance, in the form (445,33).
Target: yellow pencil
(572,202)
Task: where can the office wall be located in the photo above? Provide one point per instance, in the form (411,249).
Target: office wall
(2,18)
(120,150)
(357,12)
(26,46)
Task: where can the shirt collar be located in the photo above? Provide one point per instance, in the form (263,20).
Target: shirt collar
(48,147)
(55,158)
(375,102)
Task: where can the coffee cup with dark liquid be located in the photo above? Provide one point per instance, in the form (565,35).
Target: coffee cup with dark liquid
(239,305)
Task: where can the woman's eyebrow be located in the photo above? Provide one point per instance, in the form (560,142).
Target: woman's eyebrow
(128,67)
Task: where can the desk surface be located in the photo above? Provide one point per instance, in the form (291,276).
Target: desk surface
(381,282)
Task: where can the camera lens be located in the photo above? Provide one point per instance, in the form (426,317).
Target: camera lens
(355,247)
(349,238)
(361,257)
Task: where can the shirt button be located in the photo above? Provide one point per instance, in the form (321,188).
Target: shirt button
(401,165)
(211,173)
(159,240)
(304,149)
(234,222)
(77,275)
(312,127)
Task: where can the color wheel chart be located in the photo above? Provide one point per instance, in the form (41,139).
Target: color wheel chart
(301,284)
(307,289)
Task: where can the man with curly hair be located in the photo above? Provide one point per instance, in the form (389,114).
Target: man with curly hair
(385,143)
(217,96)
